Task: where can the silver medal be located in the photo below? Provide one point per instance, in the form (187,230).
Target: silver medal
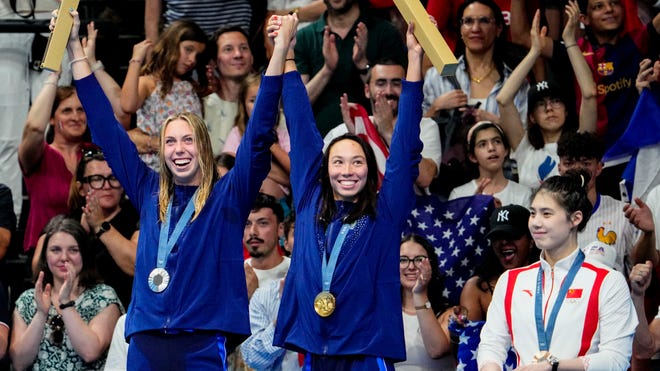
(158,279)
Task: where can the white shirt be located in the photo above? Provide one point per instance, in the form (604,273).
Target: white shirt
(597,313)
(512,194)
(535,165)
(118,352)
(608,224)
(276,273)
(219,116)
(417,358)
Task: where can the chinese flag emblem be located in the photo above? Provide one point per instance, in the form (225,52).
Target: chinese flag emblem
(574,294)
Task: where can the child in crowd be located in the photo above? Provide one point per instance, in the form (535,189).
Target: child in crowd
(164,86)
(277,182)
(550,113)
(488,147)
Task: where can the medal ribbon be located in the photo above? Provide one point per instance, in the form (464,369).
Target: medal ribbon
(165,244)
(328,265)
(545,334)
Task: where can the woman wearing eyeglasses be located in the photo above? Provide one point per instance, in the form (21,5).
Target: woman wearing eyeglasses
(48,166)
(423,307)
(481,66)
(96,199)
(66,321)
(549,112)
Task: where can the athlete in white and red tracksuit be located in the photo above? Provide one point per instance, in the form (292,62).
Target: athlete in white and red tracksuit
(596,321)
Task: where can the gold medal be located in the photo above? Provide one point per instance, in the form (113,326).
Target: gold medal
(324,303)
(542,356)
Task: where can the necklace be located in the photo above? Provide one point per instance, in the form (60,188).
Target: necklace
(478,80)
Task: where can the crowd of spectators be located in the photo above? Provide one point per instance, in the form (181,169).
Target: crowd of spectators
(538,95)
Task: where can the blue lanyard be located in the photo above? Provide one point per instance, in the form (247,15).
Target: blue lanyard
(545,334)
(328,265)
(165,245)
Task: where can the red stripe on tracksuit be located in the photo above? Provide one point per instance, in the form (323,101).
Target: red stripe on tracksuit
(591,320)
(508,298)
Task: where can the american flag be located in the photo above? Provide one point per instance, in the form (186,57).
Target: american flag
(457,230)
(468,338)
(366,130)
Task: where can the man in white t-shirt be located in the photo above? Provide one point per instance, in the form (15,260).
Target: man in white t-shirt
(261,235)
(383,88)
(608,223)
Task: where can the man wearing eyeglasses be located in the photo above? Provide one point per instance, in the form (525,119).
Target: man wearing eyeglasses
(333,56)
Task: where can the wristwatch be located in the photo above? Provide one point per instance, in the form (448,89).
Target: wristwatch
(426,305)
(67,305)
(554,362)
(363,71)
(555,365)
(105,226)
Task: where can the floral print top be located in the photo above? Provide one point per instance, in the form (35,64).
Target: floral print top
(155,110)
(55,351)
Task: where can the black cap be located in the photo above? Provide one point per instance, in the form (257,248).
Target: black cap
(544,89)
(509,221)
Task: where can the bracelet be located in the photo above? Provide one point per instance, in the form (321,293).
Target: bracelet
(134,60)
(290,59)
(570,46)
(67,305)
(97,66)
(77,60)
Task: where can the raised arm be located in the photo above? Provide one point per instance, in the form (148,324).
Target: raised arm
(588,104)
(520,29)
(31,148)
(108,84)
(509,116)
(136,89)
(282,31)
(152,12)
(402,166)
(107,132)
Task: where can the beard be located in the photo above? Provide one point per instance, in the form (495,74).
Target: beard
(342,10)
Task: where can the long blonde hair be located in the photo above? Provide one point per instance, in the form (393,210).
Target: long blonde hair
(205,158)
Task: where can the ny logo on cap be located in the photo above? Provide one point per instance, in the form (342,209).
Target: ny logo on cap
(542,85)
(503,216)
